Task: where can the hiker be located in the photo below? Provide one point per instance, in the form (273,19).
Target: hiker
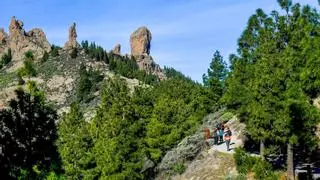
(207,136)
(227,138)
(215,136)
(220,132)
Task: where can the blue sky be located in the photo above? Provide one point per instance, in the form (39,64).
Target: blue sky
(185,32)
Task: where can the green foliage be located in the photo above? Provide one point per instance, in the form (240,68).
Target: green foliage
(88,83)
(75,145)
(55,50)
(129,68)
(117,133)
(216,75)
(28,136)
(227,116)
(74,53)
(178,168)
(128,127)
(29,55)
(274,77)
(172,73)
(94,51)
(178,109)
(246,163)
(28,68)
(6,58)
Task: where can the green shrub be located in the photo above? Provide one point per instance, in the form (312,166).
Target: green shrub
(226,116)
(178,168)
(29,55)
(246,163)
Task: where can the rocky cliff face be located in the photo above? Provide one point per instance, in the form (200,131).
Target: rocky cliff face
(72,38)
(140,42)
(20,41)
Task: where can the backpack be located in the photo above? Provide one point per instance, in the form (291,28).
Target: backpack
(228,133)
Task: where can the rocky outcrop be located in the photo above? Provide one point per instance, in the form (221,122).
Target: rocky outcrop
(117,49)
(3,37)
(20,41)
(146,63)
(72,38)
(140,42)
(3,41)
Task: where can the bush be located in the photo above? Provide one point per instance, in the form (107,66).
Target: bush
(261,169)
(178,168)
(244,162)
(29,55)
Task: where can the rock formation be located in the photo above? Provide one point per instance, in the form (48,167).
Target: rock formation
(140,41)
(3,36)
(20,41)
(3,41)
(117,49)
(72,38)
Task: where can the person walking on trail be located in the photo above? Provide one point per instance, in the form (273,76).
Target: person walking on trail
(207,136)
(215,137)
(221,131)
(227,138)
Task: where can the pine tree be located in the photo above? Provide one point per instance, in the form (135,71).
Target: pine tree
(28,135)
(75,145)
(216,75)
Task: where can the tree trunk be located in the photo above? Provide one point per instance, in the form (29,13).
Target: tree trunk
(290,168)
(262,149)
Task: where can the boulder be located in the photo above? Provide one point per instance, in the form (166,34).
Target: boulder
(187,149)
(72,38)
(140,41)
